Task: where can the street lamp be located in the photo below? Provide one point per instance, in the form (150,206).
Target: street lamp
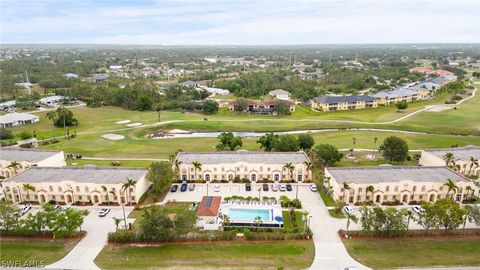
(207,189)
(124,218)
(19,194)
(259,190)
(296,194)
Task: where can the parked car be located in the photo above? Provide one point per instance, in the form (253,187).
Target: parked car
(313,187)
(191,187)
(248,187)
(57,206)
(289,187)
(274,188)
(24,209)
(103,212)
(417,209)
(183,187)
(216,188)
(282,187)
(348,210)
(174,188)
(265,187)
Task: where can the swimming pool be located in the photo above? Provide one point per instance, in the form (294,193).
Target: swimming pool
(249,214)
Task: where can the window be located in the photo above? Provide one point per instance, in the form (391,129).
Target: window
(423,188)
(79,197)
(133,198)
(78,189)
(59,189)
(396,188)
(360,189)
(215,169)
(268,169)
(261,168)
(113,189)
(223,169)
(245,169)
(387,189)
(86,189)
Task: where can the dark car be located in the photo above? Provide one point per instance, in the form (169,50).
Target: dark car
(174,188)
(183,187)
(265,187)
(248,187)
(289,187)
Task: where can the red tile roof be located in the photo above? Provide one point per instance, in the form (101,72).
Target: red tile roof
(209,206)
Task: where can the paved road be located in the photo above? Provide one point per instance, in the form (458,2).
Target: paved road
(84,253)
(330,252)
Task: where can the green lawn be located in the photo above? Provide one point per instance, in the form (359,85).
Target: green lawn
(44,251)
(418,252)
(133,146)
(230,255)
(287,222)
(327,199)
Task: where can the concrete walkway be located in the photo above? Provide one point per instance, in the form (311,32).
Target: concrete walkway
(82,256)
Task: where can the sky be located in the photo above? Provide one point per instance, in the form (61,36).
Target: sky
(248,22)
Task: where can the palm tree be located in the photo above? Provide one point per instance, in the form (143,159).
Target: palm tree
(354,140)
(117,222)
(309,167)
(177,164)
(305,219)
(367,190)
(351,217)
(198,166)
(28,188)
(468,189)
(345,188)
(14,165)
(448,157)
(289,166)
(258,221)
(105,189)
(374,142)
(451,186)
(225,220)
(473,162)
(454,166)
(113,193)
(51,115)
(409,216)
(127,186)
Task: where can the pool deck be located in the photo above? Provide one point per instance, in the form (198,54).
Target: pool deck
(274,210)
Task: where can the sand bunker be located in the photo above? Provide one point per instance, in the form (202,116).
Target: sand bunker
(179,131)
(113,137)
(134,124)
(439,109)
(123,122)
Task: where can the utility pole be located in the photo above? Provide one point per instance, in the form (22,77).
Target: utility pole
(124,218)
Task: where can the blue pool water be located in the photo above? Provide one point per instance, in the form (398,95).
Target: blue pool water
(249,214)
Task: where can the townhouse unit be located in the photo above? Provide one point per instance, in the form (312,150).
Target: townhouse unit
(396,95)
(27,158)
(466,160)
(280,94)
(67,185)
(241,164)
(17,119)
(339,103)
(394,183)
(267,106)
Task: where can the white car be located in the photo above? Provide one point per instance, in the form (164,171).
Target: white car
(274,188)
(103,212)
(313,187)
(417,209)
(349,210)
(24,209)
(282,187)
(216,188)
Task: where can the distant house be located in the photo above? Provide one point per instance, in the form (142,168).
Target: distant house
(17,119)
(7,104)
(190,83)
(214,91)
(70,75)
(24,85)
(50,101)
(280,94)
(267,106)
(97,77)
(339,103)
(115,68)
(429,71)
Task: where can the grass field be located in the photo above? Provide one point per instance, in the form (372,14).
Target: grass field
(231,255)
(395,253)
(93,145)
(45,251)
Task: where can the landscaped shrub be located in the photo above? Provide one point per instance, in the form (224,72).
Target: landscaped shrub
(122,236)
(25,135)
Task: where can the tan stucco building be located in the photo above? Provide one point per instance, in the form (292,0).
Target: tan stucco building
(341,103)
(27,158)
(461,160)
(394,183)
(76,184)
(243,164)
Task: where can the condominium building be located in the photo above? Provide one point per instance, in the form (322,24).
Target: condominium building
(394,96)
(267,106)
(466,160)
(339,103)
(242,164)
(76,185)
(27,158)
(394,183)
